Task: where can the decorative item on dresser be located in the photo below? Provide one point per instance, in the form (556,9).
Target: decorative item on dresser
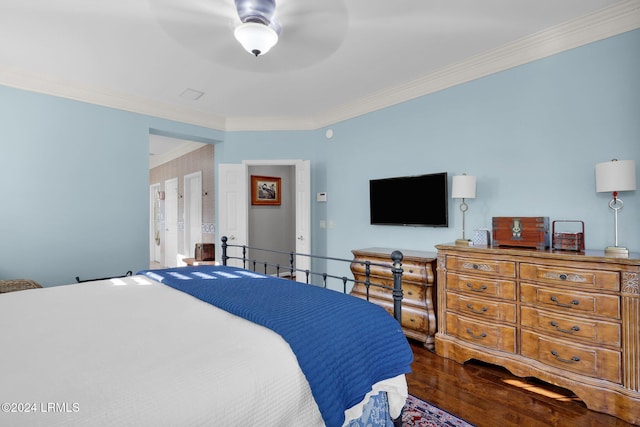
(418,285)
(463,187)
(526,232)
(568,318)
(614,176)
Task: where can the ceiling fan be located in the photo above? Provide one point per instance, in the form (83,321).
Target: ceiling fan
(259,29)
(306,31)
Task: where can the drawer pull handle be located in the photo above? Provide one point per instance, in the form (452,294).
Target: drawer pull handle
(566,331)
(563,277)
(480,289)
(478,337)
(482,310)
(476,266)
(574,359)
(559,304)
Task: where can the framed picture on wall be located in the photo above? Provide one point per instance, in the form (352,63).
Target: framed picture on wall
(265,190)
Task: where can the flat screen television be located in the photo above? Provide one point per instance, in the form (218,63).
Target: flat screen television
(419,200)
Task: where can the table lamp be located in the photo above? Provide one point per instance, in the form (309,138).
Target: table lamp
(615,176)
(464,187)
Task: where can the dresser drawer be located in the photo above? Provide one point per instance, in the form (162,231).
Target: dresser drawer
(482,266)
(571,301)
(495,336)
(593,361)
(574,327)
(505,289)
(485,308)
(589,279)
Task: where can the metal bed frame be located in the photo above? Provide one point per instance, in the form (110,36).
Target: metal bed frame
(395,266)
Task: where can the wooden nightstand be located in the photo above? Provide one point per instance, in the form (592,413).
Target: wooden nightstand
(418,286)
(17,285)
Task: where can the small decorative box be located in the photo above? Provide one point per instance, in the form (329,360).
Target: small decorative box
(481,237)
(566,240)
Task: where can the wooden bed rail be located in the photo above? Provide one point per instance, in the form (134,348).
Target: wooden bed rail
(395,266)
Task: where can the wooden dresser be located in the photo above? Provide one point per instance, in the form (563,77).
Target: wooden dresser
(418,286)
(568,318)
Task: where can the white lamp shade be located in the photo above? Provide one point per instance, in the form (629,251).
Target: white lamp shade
(256,38)
(464,187)
(616,175)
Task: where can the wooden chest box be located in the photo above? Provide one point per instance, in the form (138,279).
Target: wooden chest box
(527,232)
(205,252)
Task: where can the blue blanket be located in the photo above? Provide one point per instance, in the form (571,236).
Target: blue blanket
(343,344)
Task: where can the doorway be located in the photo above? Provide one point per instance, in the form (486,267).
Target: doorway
(191,164)
(234,204)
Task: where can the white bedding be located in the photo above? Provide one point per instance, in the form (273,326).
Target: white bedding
(134,352)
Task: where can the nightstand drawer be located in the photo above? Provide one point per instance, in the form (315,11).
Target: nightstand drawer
(482,266)
(413,318)
(505,289)
(485,308)
(495,336)
(593,361)
(571,301)
(411,294)
(574,327)
(591,279)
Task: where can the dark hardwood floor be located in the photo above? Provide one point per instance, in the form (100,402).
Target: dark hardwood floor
(487,395)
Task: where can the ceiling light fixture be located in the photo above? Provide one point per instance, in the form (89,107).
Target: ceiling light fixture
(256,37)
(259,30)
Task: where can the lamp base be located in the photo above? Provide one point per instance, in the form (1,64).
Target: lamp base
(616,251)
(463,242)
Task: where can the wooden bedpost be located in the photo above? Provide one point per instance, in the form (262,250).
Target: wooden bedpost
(224,250)
(397,257)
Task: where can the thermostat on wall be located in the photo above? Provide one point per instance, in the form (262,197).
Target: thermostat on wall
(321,197)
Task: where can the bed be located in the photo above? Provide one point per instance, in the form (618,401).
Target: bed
(199,346)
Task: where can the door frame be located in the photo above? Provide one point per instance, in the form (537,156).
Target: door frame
(302,172)
(155,224)
(192,200)
(170,208)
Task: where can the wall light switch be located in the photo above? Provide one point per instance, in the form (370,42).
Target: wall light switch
(321,197)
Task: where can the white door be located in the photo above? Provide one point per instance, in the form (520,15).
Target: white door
(171,222)
(155,223)
(192,212)
(303,216)
(232,208)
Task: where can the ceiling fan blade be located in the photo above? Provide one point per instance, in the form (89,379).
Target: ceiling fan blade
(310,31)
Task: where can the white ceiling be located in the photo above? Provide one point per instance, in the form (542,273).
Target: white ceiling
(336,59)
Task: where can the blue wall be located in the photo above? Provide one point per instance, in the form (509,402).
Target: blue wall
(532,135)
(74,185)
(74,178)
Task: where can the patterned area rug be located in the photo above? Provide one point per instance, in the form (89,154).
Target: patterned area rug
(418,413)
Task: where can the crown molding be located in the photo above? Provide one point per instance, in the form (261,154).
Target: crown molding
(608,22)
(39,83)
(621,17)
